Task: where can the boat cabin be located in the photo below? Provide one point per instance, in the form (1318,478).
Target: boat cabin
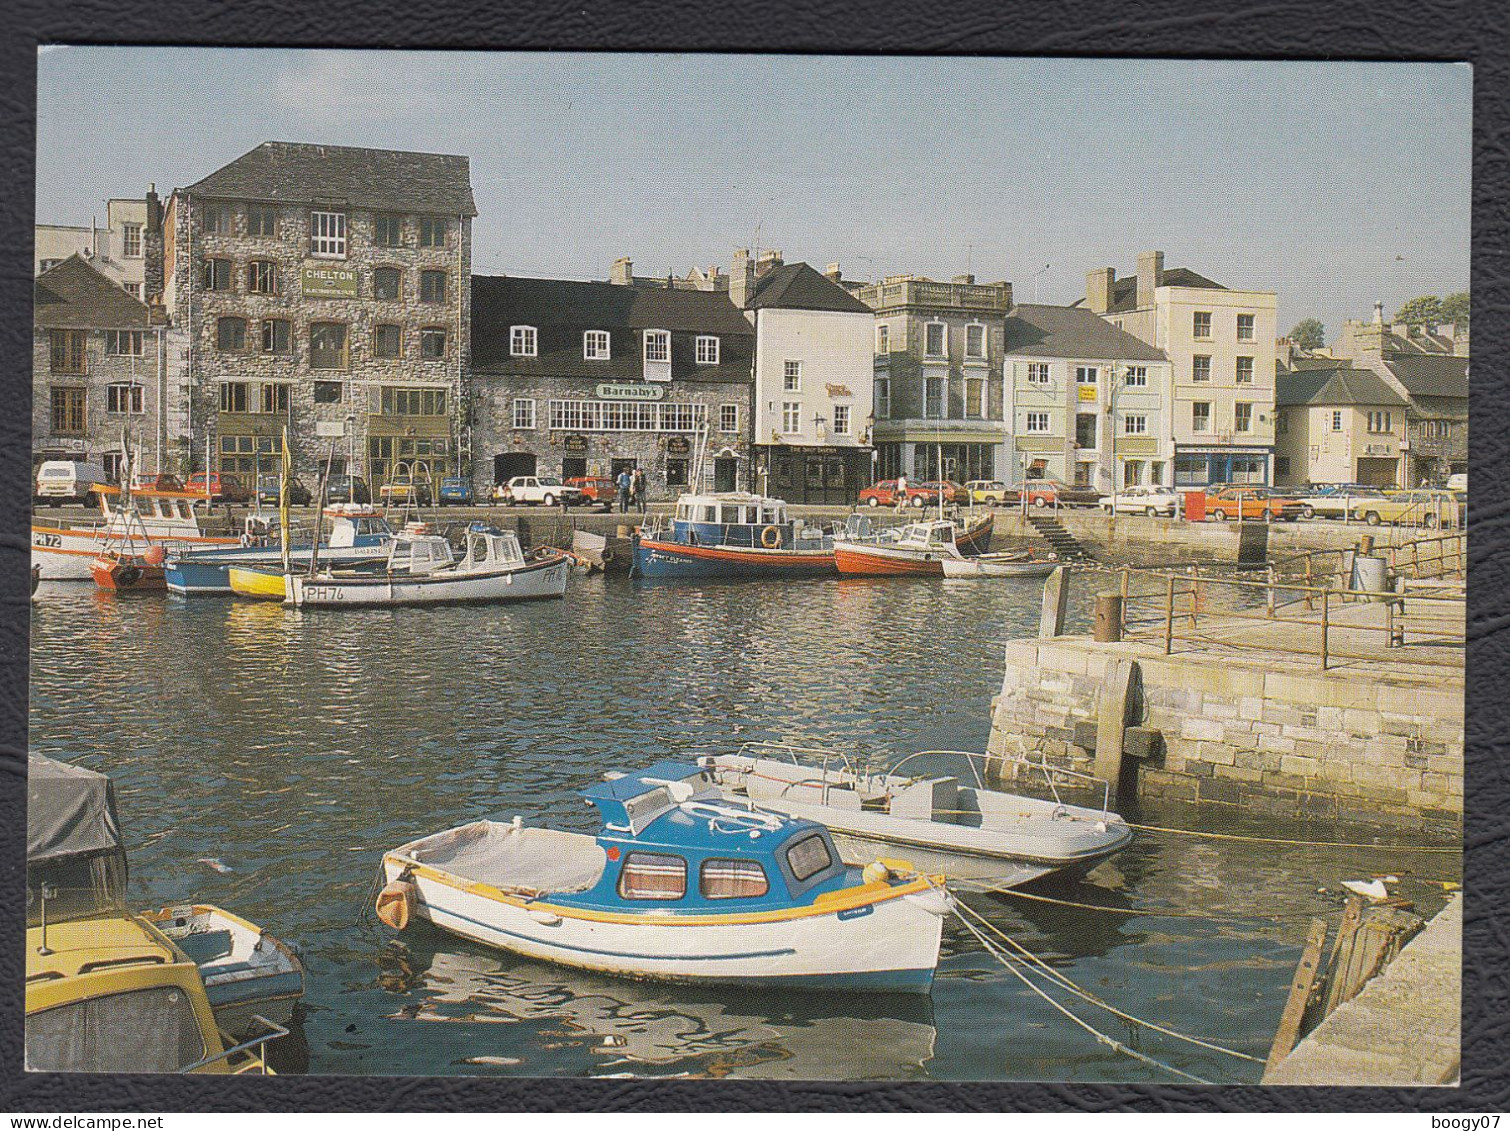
(488,548)
(356,525)
(938,534)
(160,512)
(738,518)
(416,551)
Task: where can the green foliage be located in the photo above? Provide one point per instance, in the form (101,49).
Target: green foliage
(1309,334)
(1423,311)
(1455,309)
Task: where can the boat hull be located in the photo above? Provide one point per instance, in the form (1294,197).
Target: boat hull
(982,567)
(68,553)
(132,573)
(199,574)
(655,558)
(862,560)
(263,584)
(536,581)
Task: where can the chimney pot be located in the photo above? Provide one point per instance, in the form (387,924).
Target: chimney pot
(622,273)
(1098,289)
(1150,270)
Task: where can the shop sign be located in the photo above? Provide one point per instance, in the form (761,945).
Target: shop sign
(838,390)
(574,445)
(631,392)
(678,445)
(328,282)
(330,428)
(1088,393)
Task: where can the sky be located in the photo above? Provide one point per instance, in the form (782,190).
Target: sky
(1332,184)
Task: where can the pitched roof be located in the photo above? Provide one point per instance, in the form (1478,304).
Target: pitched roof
(286,172)
(74,295)
(1431,375)
(1338,384)
(1124,294)
(1071,331)
(796,286)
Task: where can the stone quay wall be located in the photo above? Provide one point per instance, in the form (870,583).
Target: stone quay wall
(1375,748)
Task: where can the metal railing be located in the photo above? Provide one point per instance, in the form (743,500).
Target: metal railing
(251,1061)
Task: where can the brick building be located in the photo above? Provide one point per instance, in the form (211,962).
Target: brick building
(326,288)
(577,378)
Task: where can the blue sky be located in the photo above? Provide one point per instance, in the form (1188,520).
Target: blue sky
(1334,184)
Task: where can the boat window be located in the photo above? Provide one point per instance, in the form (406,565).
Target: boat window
(808,856)
(732,515)
(84,1036)
(710,514)
(653,875)
(732,879)
(683,511)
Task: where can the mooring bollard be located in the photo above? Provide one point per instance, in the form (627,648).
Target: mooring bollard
(1108,618)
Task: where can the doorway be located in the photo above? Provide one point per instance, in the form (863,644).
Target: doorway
(725,473)
(573,467)
(506,465)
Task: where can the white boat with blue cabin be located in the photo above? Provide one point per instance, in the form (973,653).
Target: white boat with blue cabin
(677,885)
(358,533)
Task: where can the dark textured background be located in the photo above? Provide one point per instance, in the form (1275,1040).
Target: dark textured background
(1471,30)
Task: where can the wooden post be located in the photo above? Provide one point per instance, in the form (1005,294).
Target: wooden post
(1269,594)
(1111,718)
(1056,603)
(1309,604)
(1169,616)
(1108,618)
(1300,995)
(1326,626)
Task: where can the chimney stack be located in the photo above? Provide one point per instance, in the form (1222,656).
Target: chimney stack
(742,279)
(1379,313)
(154,265)
(622,272)
(1150,270)
(963,280)
(1098,289)
(768,261)
(832,273)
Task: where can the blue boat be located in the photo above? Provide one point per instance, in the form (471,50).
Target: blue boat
(733,534)
(677,885)
(358,533)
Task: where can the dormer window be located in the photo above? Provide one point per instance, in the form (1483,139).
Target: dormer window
(658,346)
(707,349)
(595,345)
(522,341)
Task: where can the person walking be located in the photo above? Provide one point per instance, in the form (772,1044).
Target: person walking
(637,490)
(901,492)
(623,483)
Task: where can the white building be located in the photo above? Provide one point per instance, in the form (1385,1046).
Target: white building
(116,251)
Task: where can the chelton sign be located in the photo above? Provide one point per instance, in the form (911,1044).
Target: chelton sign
(328,282)
(631,392)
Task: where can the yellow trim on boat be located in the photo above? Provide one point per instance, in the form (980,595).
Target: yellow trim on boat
(254,583)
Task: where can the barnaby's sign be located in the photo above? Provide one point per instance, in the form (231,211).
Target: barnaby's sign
(631,392)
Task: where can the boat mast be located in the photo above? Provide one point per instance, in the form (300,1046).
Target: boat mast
(288,582)
(314,549)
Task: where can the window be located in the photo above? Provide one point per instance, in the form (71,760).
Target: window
(522,341)
(230,334)
(327,234)
(123,343)
(124,396)
(975,341)
(1191,471)
(791,377)
(1337,421)
(68,413)
(388,231)
(883,339)
(808,857)
(1137,376)
(1038,373)
(707,350)
(1245,371)
(1242,417)
(1281,424)
(1245,327)
(432,231)
(277,336)
(1038,423)
(327,345)
(595,345)
(131,241)
(330,392)
(524,412)
(975,397)
(934,339)
(47,265)
(217,274)
(658,345)
(653,875)
(78,1036)
(274,398)
(791,416)
(1200,416)
(933,396)
(621,416)
(728,418)
(1086,431)
(1201,324)
(1200,367)
(386,282)
(432,286)
(1380,422)
(1281,467)
(233,396)
(432,342)
(261,220)
(217,219)
(387,341)
(132,289)
(414,402)
(883,398)
(261,277)
(841,420)
(1135,424)
(732,879)
(68,351)
(1087,375)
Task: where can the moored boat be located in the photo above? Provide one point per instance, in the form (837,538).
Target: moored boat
(732,534)
(67,553)
(359,532)
(917,549)
(678,885)
(122,568)
(1024,564)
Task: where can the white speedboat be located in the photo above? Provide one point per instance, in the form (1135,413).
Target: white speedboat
(1023,564)
(942,824)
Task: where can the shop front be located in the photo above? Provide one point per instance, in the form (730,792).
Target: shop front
(826,476)
(1200,467)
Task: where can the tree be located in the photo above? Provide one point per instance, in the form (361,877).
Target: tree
(1423,311)
(1455,309)
(1309,334)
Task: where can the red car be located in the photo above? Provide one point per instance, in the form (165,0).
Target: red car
(1050,493)
(595,489)
(884,494)
(162,481)
(222,488)
(953,492)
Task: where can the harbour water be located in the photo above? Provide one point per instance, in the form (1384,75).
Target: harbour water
(264,759)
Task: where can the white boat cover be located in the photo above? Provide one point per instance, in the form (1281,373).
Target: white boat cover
(491,852)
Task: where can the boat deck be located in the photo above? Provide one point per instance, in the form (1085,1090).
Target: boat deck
(502,856)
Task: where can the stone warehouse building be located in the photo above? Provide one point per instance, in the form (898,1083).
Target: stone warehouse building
(326,288)
(102,363)
(586,378)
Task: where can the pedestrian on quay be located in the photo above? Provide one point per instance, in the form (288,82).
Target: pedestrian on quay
(637,488)
(901,491)
(623,483)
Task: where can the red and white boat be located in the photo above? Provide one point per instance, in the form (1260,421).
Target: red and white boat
(68,553)
(917,550)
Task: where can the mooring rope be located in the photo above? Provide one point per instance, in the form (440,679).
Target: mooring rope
(1291,843)
(987,889)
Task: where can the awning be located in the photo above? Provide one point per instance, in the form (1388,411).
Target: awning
(69,811)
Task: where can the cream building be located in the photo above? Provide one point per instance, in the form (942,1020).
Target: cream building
(1221,344)
(1337,424)
(116,251)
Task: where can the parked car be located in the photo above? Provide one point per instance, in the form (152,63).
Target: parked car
(539,490)
(1416,508)
(595,489)
(162,481)
(455,490)
(884,494)
(405,488)
(989,492)
(348,489)
(952,491)
(62,481)
(1337,501)
(223,487)
(1149,500)
(1052,492)
(1249,503)
(268,488)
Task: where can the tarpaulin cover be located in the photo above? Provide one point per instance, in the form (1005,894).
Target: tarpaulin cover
(69,811)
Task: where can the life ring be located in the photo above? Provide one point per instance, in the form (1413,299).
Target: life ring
(395,903)
(770,537)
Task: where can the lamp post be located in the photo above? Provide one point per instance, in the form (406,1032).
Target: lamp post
(1119,382)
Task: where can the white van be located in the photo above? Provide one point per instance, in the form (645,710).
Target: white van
(1458,482)
(62,481)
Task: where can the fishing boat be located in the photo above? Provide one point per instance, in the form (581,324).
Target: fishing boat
(1024,564)
(422,569)
(943,823)
(732,534)
(358,533)
(247,973)
(917,549)
(678,885)
(120,566)
(67,553)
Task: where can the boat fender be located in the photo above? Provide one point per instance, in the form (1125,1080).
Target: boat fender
(155,555)
(876,873)
(395,903)
(770,537)
(545,918)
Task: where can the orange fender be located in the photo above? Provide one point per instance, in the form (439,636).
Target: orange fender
(395,904)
